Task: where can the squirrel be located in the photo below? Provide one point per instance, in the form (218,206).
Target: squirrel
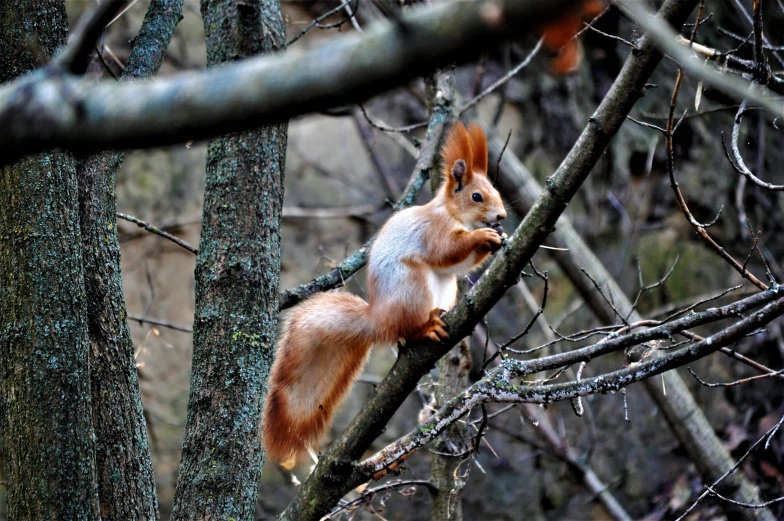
(412,280)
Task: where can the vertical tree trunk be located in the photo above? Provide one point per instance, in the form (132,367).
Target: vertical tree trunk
(124,466)
(236,287)
(445,474)
(48,441)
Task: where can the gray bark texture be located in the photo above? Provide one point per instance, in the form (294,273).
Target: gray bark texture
(124,466)
(445,474)
(687,420)
(237,274)
(46,419)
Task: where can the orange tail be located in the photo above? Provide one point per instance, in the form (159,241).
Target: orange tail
(325,343)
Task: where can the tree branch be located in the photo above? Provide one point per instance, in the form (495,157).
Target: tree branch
(667,40)
(40,112)
(496,386)
(76,55)
(152,229)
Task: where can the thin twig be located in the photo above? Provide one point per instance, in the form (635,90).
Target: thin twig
(589,25)
(317,21)
(158,322)
(384,128)
(370,494)
(612,37)
(607,300)
(501,155)
(736,382)
(152,229)
(505,78)
(711,489)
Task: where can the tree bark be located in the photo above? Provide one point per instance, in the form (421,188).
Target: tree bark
(445,471)
(48,441)
(124,466)
(236,287)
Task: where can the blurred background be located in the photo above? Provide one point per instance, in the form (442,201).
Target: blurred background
(343,174)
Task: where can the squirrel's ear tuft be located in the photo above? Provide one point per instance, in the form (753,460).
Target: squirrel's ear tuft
(479,149)
(458,159)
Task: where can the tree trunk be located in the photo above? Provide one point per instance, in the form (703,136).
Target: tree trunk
(48,440)
(445,472)
(236,288)
(124,466)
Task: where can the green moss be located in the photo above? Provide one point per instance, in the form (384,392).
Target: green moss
(234,327)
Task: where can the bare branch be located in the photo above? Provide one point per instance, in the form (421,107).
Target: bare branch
(505,78)
(667,40)
(711,489)
(152,229)
(496,386)
(76,55)
(158,322)
(38,113)
(736,382)
(737,159)
(318,20)
(384,128)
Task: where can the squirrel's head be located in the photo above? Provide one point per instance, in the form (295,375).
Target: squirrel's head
(470,196)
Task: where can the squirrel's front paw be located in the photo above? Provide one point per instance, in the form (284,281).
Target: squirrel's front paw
(490,239)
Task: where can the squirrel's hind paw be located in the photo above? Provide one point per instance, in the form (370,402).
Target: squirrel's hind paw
(434,327)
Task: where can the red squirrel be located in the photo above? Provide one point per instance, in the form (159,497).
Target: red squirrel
(412,280)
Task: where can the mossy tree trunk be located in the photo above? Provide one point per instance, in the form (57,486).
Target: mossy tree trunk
(237,274)
(124,466)
(45,407)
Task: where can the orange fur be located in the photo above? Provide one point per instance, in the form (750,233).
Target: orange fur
(412,280)
(559,36)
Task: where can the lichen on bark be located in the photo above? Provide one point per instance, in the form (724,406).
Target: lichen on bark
(45,406)
(237,273)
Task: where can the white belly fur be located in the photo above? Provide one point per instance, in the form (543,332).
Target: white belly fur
(443,290)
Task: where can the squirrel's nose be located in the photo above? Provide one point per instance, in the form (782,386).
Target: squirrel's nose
(500,216)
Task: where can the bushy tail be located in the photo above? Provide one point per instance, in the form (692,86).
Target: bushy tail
(325,343)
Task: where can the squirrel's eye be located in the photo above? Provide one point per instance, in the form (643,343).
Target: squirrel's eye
(476,196)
